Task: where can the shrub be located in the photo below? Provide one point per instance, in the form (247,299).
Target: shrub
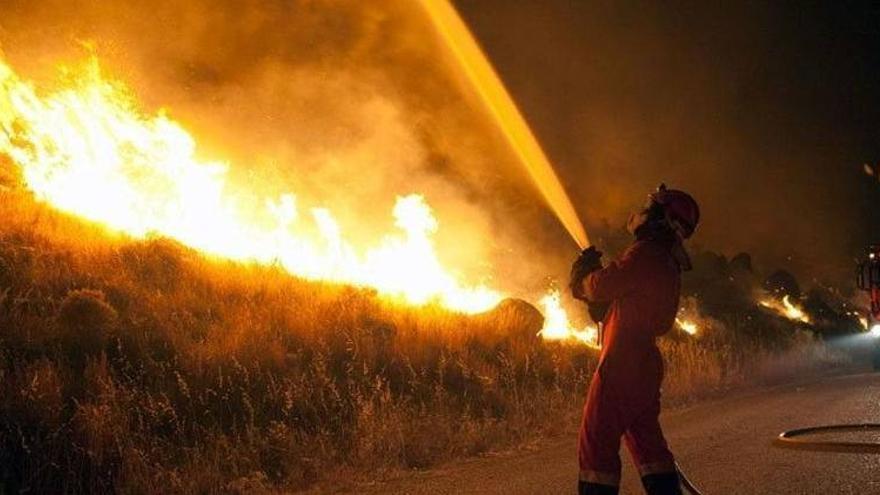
(86,321)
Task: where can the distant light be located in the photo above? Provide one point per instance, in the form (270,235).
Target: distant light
(875,330)
(872,255)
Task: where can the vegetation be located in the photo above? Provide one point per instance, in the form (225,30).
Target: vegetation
(144,367)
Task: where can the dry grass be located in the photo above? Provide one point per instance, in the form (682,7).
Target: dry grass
(702,369)
(143,367)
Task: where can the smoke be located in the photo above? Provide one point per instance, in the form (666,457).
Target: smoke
(348,103)
(765,111)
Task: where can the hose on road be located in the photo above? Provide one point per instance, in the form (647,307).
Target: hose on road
(798,439)
(687,483)
(794,439)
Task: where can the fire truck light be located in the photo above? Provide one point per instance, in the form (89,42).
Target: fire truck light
(875,330)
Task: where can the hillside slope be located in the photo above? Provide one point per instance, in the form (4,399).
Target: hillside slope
(143,366)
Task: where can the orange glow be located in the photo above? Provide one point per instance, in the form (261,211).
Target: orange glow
(787,309)
(558,327)
(688,326)
(89,150)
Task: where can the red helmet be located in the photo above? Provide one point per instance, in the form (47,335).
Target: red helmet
(681,209)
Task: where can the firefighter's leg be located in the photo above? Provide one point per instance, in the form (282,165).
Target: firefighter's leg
(650,452)
(662,483)
(585,488)
(599,441)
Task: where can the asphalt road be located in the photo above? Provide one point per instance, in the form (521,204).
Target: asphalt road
(724,445)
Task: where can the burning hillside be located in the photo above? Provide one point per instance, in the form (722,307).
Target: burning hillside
(88,149)
(84,144)
(258,246)
(160,370)
(152,358)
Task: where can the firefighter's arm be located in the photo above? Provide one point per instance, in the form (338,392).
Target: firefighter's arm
(617,279)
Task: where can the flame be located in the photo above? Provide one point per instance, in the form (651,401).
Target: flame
(688,326)
(558,327)
(89,150)
(787,309)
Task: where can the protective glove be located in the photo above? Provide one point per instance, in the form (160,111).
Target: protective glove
(589,261)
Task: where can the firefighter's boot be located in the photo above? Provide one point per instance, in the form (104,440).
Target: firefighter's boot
(662,484)
(585,488)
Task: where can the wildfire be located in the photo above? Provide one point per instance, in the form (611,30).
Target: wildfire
(787,309)
(557,325)
(687,326)
(88,149)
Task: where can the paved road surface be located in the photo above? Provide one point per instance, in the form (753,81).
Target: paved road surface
(724,446)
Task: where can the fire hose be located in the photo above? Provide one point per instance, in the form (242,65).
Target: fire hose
(798,439)
(794,439)
(687,483)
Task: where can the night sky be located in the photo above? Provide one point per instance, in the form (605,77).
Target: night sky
(765,110)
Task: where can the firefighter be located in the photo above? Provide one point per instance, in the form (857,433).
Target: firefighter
(636,296)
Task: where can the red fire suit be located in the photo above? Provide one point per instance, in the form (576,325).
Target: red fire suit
(643,288)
